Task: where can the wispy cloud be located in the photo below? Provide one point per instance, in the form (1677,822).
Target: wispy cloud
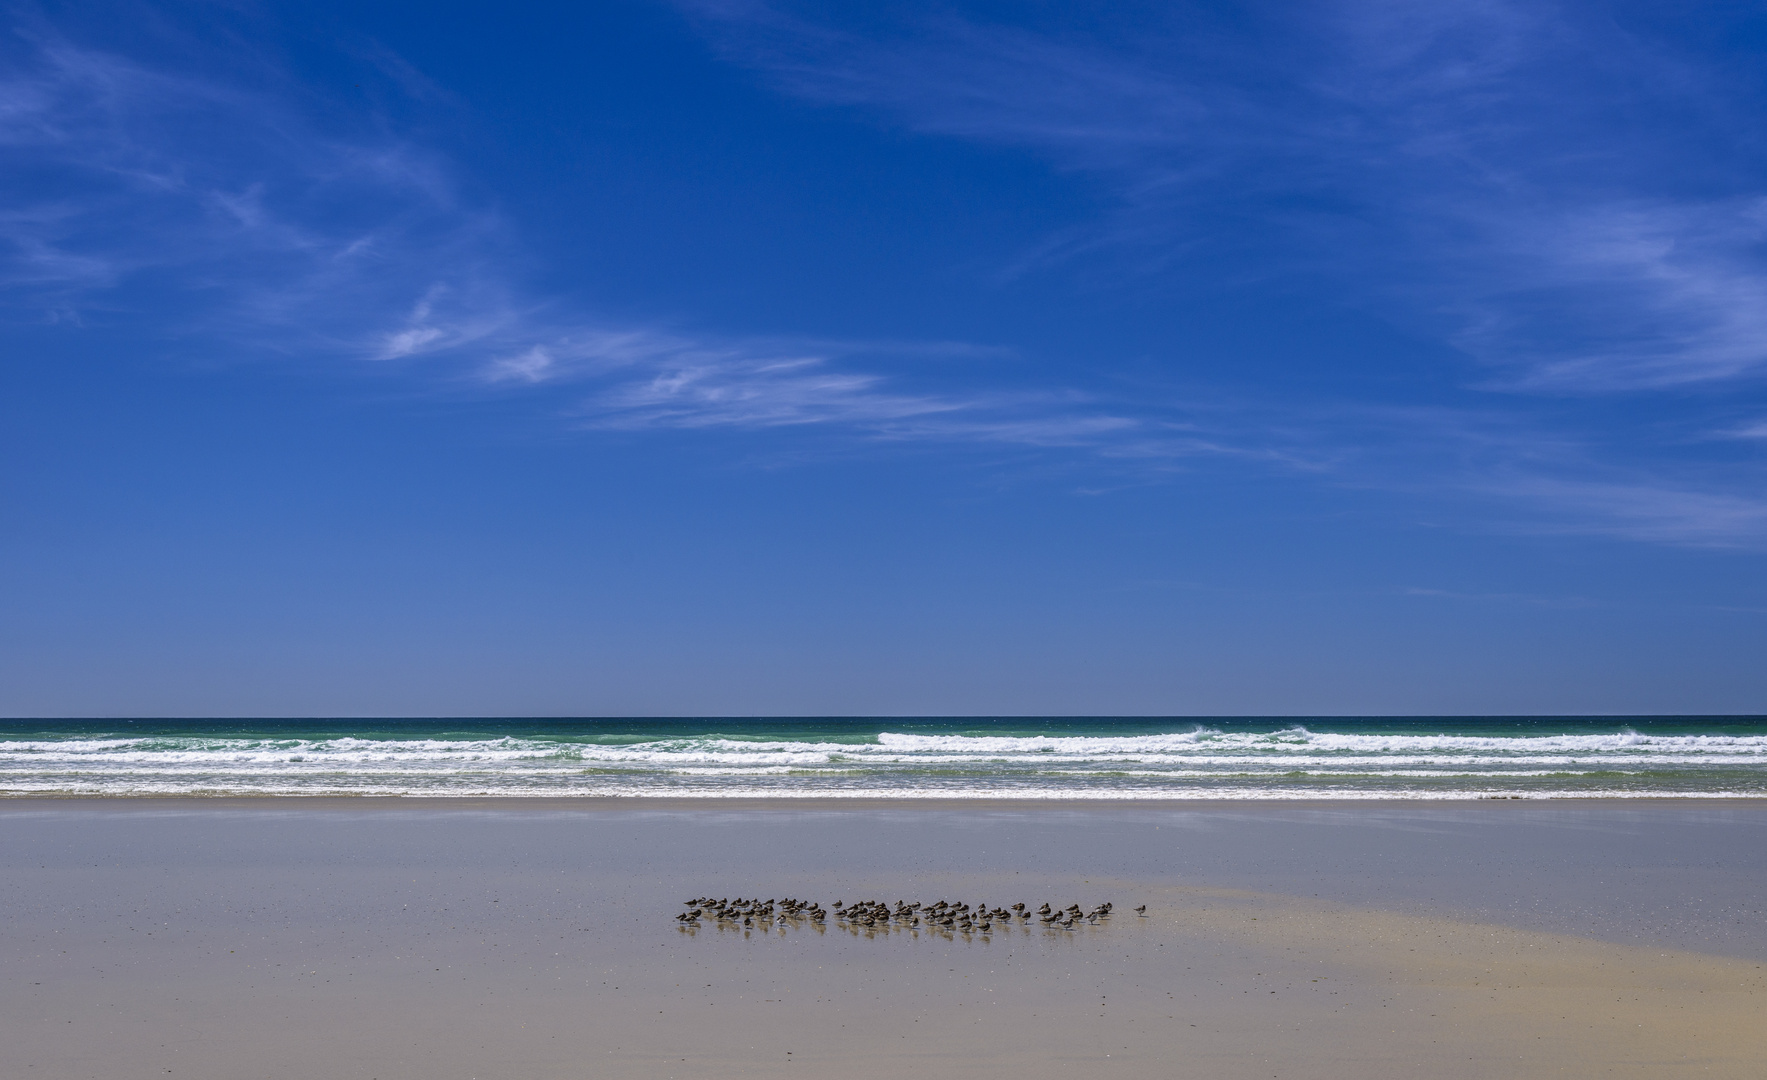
(241,217)
(1627,297)
(735,391)
(122,178)
(1756,430)
(1564,200)
(1640,510)
(281,236)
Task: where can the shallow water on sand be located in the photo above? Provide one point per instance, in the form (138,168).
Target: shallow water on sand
(215,939)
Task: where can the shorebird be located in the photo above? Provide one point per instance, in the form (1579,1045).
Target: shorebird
(877,915)
(1141,911)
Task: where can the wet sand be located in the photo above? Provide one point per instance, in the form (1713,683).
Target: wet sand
(399,939)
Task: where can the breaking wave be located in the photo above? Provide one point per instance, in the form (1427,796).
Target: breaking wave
(1089,759)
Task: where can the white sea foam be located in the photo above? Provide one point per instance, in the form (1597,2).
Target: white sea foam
(641,791)
(1293,762)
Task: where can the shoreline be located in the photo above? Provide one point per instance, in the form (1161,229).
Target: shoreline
(824,802)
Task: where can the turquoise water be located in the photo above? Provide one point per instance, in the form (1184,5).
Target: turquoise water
(890,757)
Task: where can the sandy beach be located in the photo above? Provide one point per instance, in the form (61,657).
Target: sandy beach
(390,939)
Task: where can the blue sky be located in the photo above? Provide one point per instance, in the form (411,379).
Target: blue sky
(769,358)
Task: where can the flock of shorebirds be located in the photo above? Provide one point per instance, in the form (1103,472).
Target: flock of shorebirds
(874,915)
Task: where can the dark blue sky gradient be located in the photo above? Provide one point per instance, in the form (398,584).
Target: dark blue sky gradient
(735,358)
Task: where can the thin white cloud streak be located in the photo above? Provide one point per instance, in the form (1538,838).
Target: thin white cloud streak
(781,392)
(1528,599)
(1657,514)
(638,380)
(1475,161)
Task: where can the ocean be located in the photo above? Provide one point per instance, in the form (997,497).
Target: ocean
(896,758)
